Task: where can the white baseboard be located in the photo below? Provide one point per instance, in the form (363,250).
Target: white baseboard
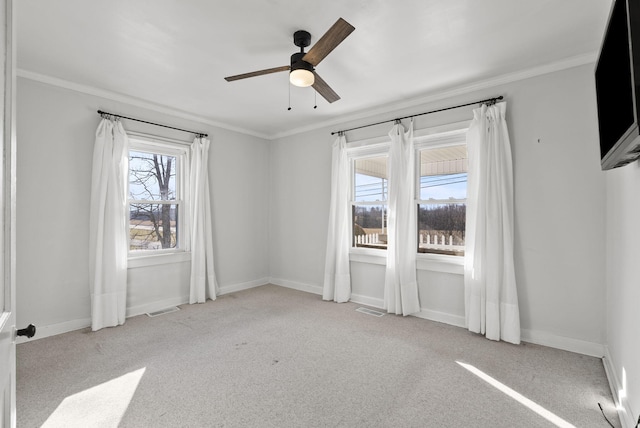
(442,317)
(300,286)
(232,288)
(426,314)
(43,331)
(531,336)
(183,300)
(374,302)
(55,329)
(156,306)
(622,404)
(560,342)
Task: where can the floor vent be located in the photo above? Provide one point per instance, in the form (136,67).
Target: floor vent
(370,312)
(163,311)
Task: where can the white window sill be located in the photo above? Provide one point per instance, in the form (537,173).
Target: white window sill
(144,260)
(441,263)
(430,262)
(368,255)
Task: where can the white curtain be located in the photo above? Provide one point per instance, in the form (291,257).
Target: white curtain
(108,237)
(337,275)
(203,278)
(491,299)
(400,285)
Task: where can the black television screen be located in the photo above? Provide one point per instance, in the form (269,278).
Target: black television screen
(617,86)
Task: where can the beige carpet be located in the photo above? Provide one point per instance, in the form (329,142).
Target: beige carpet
(274,357)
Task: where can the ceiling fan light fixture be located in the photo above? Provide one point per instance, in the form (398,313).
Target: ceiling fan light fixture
(301,77)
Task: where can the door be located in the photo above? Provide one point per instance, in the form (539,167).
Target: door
(7,216)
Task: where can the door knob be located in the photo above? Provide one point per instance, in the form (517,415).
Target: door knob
(29,331)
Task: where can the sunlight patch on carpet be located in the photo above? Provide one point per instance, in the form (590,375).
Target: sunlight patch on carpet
(551,417)
(101,405)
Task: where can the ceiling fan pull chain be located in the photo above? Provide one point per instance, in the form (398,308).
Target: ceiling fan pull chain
(315,99)
(289,86)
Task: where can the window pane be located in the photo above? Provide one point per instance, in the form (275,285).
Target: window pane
(441,228)
(443,173)
(153,226)
(370,226)
(441,187)
(152,176)
(370,179)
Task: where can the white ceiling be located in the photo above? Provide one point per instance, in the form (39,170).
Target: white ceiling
(175,54)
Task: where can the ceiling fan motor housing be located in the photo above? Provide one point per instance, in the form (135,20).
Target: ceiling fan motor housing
(297,63)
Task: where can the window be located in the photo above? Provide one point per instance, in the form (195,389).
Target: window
(440,171)
(369,202)
(442,194)
(156,202)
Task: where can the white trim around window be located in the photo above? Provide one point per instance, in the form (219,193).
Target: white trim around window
(438,136)
(180,150)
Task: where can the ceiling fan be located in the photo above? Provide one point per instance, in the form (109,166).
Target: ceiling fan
(302,69)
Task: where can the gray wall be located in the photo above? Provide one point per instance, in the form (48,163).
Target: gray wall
(56,132)
(623,286)
(559,210)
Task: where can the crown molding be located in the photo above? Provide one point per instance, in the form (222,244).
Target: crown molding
(564,64)
(137,102)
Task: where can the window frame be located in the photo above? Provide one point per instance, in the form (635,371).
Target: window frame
(435,141)
(374,148)
(181,151)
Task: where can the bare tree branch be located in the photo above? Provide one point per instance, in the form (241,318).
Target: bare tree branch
(151,177)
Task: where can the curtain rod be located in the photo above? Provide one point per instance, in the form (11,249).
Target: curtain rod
(199,134)
(487,101)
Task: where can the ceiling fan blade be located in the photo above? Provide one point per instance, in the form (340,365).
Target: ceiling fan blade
(323,89)
(328,42)
(257,73)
